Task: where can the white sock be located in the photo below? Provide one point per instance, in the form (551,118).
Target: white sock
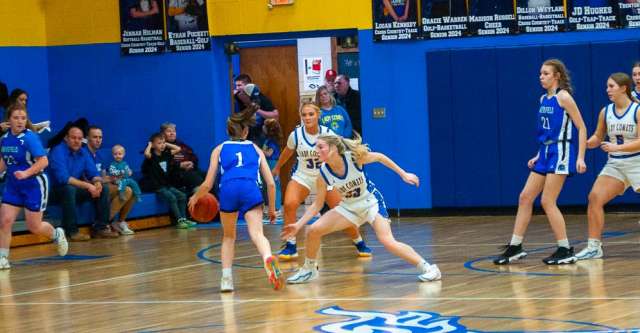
(594,243)
(516,240)
(291,240)
(4,253)
(310,262)
(357,240)
(422,266)
(226,272)
(563,243)
(54,236)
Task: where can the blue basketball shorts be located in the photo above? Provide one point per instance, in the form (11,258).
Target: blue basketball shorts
(239,195)
(31,193)
(558,158)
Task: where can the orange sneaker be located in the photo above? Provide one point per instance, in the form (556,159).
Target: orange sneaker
(274,273)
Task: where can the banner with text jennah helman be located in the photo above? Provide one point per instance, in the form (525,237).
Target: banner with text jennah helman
(395,20)
(187,25)
(141,27)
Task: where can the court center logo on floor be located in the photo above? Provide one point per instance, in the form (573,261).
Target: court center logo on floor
(422,321)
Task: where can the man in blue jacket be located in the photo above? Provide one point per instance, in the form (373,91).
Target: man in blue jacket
(75,179)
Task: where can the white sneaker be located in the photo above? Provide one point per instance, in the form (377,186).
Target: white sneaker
(124,228)
(226,284)
(590,253)
(4,263)
(432,273)
(61,242)
(304,274)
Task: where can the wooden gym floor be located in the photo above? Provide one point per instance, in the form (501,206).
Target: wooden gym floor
(167,280)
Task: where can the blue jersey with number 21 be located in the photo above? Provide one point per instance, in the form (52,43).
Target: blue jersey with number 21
(554,123)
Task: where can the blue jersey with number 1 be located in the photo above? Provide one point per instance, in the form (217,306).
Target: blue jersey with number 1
(554,123)
(238,160)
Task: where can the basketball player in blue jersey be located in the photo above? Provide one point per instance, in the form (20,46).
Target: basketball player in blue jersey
(343,163)
(395,10)
(24,160)
(635,74)
(618,121)
(239,162)
(561,154)
(302,141)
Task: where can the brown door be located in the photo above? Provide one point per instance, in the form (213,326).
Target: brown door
(275,71)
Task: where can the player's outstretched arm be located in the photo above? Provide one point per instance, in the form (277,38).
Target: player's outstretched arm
(407,177)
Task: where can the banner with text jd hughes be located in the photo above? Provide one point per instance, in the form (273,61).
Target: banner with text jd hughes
(187,25)
(141,27)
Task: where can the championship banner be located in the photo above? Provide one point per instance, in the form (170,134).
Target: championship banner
(444,18)
(629,11)
(187,25)
(592,14)
(141,27)
(541,15)
(497,17)
(395,20)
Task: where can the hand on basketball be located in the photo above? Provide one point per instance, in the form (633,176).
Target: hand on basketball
(192,202)
(410,178)
(581,167)
(289,230)
(532,162)
(21,175)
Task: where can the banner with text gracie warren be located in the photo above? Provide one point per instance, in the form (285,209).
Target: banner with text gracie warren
(188,25)
(141,27)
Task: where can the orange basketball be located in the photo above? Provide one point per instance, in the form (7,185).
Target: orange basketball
(205,209)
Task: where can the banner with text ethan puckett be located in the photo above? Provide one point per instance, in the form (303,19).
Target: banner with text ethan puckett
(188,25)
(141,27)
(395,19)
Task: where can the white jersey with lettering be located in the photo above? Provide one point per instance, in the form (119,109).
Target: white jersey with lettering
(304,144)
(361,201)
(621,129)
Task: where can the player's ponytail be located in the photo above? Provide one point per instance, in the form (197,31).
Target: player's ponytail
(237,122)
(564,78)
(355,145)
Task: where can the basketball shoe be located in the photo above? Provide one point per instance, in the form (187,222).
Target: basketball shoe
(562,256)
(273,272)
(288,251)
(590,253)
(511,254)
(226,284)
(363,249)
(305,274)
(431,273)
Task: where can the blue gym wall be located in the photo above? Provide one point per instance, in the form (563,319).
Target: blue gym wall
(27,68)
(129,97)
(461,113)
